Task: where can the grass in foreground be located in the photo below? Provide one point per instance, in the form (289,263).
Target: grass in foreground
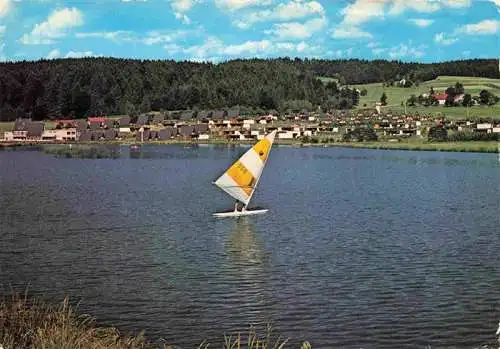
(30,323)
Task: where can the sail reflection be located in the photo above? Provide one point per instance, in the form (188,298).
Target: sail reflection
(248,272)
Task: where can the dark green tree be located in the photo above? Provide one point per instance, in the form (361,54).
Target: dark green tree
(383,99)
(437,134)
(467,102)
(412,100)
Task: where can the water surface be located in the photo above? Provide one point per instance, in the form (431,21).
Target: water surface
(360,248)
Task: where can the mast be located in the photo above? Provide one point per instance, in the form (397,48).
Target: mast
(271,139)
(241,179)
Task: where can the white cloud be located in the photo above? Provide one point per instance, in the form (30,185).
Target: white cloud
(373,44)
(362,11)
(496,2)
(5,7)
(157,38)
(466,53)
(183,18)
(378,51)
(214,49)
(292,10)
(357,13)
(233,5)
(399,6)
(116,36)
(2,56)
(162,37)
(350,32)
(249,47)
(54,54)
(73,54)
(403,50)
(172,48)
(3,29)
(341,53)
(444,39)
(486,27)
(211,45)
(151,38)
(420,22)
(457,3)
(181,7)
(54,27)
(295,30)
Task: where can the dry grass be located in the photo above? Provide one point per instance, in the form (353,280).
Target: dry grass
(29,323)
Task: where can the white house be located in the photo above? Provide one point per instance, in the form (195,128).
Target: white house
(286,135)
(248,123)
(65,134)
(15,135)
(485,126)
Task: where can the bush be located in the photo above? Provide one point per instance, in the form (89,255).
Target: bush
(464,136)
(437,134)
(360,134)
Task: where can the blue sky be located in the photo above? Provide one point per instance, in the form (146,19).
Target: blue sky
(217,30)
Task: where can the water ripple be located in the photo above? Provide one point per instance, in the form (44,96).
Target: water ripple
(361,248)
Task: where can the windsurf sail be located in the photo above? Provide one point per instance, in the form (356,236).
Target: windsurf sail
(241,179)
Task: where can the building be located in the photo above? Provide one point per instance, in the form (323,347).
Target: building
(441,98)
(185,131)
(11,136)
(65,134)
(167,133)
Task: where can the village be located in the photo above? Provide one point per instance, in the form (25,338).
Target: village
(230,125)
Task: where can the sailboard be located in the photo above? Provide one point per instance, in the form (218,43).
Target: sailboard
(241,179)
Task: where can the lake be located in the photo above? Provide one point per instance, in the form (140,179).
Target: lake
(360,248)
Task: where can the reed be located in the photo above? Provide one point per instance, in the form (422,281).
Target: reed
(82,151)
(30,323)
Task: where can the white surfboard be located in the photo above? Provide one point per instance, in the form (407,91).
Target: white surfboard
(241,179)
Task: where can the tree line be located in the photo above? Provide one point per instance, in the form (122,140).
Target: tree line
(77,88)
(358,71)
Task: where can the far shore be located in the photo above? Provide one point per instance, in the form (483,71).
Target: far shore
(415,145)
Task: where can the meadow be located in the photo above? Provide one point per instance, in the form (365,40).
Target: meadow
(396,95)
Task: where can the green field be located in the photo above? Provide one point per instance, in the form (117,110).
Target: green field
(396,95)
(6,126)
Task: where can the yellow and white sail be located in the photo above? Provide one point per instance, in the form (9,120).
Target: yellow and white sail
(241,179)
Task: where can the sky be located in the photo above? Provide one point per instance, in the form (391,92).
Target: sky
(219,30)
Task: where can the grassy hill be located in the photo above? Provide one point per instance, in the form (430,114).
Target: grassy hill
(396,95)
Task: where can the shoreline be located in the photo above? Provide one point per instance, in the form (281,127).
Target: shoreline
(469,146)
(30,322)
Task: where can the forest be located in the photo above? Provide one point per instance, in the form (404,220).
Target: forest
(78,88)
